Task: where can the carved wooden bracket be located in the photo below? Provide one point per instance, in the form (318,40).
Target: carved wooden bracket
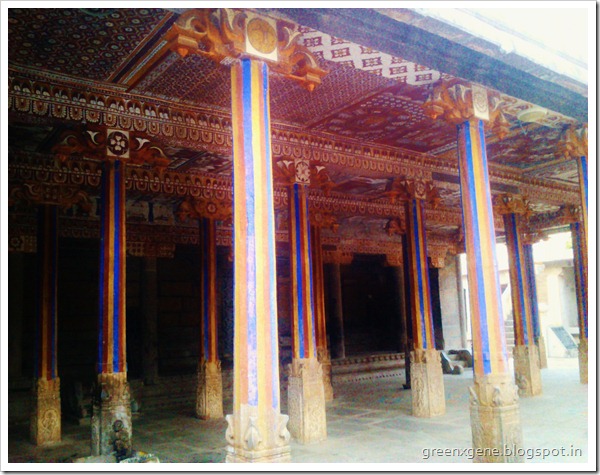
(223,35)
(192,208)
(574,142)
(459,103)
(103,143)
(507,203)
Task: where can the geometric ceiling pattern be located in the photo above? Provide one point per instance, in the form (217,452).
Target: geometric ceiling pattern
(367,98)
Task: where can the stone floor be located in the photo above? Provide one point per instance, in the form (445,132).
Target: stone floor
(368,422)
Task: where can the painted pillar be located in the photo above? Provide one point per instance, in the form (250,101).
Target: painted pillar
(574,144)
(45,423)
(256,432)
(538,338)
(339,348)
(525,351)
(427,381)
(580,268)
(495,420)
(580,254)
(400,286)
(306,396)
(150,316)
(111,410)
(320,320)
(209,394)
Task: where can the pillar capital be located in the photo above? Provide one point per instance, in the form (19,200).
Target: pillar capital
(459,103)
(224,35)
(420,189)
(573,142)
(569,214)
(412,188)
(105,143)
(289,172)
(198,208)
(508,203)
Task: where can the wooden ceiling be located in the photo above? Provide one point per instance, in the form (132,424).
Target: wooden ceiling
(370,99)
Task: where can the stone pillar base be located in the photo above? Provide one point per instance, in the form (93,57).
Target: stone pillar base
(325,360)
(495,421)
(209,392)
(306,401)
(256,438)
(527,370)
(583,361)
(45,423)
(541,344)
(427,383)
(111,416)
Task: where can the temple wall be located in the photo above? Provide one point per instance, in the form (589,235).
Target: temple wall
(450,305)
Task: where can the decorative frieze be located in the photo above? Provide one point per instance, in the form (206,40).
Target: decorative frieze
(196,127)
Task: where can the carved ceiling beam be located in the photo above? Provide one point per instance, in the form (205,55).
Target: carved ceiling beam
(32,98)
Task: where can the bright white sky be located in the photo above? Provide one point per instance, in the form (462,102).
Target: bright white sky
(558,38)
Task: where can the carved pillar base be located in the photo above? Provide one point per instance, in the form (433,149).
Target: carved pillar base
(325,360)
(527,370)
(583,361)
(541,344)
(427,383)
(495,420)
(45,424)
(111,416)
(306,401)
(209,392)
(251,439)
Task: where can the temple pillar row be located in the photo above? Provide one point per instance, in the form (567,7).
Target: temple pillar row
(111,410)
(494,408)
(45,422)
(525,352)
(306,395)
(427,382)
